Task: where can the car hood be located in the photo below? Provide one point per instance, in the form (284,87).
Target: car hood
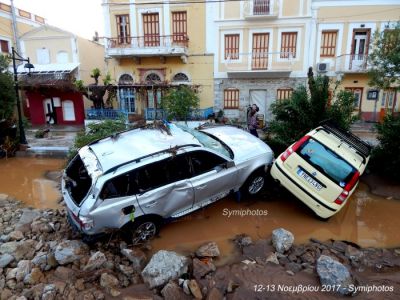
(244,145)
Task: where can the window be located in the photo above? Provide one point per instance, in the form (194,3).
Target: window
(203,162)
(123,29)
(231,98)
(261,7)
(127,99)
(180,77)
(388,99)
(288,44)
(125,79)
(357,92)
(283,94)
(179,26)
(43,56)
(153,77)
(62,57)
(68,110)
(260,51)
(231,46)
(4,46)
(328,43)
(151,30)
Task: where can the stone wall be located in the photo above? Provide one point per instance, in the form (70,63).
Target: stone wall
(245,85)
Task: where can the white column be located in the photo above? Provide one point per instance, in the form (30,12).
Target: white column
(166,17)
(133,18)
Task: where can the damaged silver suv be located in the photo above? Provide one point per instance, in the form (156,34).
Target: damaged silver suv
(135,180)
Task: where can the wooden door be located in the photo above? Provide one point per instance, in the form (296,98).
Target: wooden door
(151,30)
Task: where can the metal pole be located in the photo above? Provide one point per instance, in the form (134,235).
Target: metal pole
(22,137)
(15,27)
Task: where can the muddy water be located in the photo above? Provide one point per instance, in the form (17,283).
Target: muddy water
(25,180)
(367,220)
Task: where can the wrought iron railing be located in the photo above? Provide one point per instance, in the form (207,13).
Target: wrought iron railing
(148,41)
(352,63)
(196,114)
(104,114)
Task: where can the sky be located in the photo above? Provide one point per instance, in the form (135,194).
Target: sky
(81,17)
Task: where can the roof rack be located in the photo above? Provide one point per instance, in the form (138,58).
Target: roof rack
(354,141)
(136,160)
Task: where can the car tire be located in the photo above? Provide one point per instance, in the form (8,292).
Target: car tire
(254,184)
(142,230)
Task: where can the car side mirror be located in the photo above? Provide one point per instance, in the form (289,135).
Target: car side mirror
(230,164)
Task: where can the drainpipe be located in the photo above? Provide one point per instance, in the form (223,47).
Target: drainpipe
(15,28)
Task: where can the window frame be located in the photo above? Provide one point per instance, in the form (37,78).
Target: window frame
(4,44)
(231,43)
(123,37)
(286,49)
(179,26)
(151,29)
(231,100)
(353,90)
(329,43)
(283,91)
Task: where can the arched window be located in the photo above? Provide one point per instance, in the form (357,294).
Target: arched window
(62,57)
(180,77)
(153,78)
(125,79)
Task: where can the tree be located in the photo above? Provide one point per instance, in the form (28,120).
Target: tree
(305,110)
(385,159)
(385,59)
(7,92)
(179,102)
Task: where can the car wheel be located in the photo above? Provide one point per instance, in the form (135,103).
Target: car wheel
(254,184)
(142,231)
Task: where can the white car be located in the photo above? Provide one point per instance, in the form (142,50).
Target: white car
(136,179)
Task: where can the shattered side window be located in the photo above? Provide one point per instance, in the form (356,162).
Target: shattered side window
(203,161)
(120,186)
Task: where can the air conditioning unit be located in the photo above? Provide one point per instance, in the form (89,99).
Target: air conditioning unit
(322,67)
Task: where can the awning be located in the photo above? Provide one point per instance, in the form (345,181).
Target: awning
(49,68)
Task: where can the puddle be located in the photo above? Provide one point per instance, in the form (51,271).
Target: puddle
(368,220)
(24,179)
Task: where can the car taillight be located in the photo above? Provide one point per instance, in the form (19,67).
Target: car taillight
(294,148)
(83,222)
(349,186)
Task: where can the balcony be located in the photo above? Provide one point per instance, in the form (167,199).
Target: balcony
(146,46)
(260,9)
(195,115)
(260,65)
(352,63)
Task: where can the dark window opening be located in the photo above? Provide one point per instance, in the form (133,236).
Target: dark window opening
(79,181)
(203,162)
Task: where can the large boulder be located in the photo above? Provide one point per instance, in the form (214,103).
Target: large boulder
(20,250)
(5,260)
(282,240)
(333,273)
(27,217)
(96,261)
(24,267)
(164,266)
(69,251)
(136,256)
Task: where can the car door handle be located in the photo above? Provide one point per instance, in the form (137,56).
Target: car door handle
(151,204)
(201,187)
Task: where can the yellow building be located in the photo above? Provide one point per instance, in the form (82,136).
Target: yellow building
(342,40)
(25,21)
(59,57)
(153,47)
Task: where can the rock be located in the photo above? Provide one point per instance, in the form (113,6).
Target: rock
(215,294)
(114,292)
(24,267)
(108,281)
(294,267)
(69,251)
(333,273)
(339,246)
(208,250)
(136,256)
(290,272)
(64,273)
(185,286)
(40,260)
(5,294)
(21,298)
(282,240)
(49,292)
(172,291)
(273,258)
(308,257)
(80,284)
(36,276)
(353,253)
(27,217)
(16,235)
(5,260)
(11,273)
(164,266)
(243,240)
(195,289)
(41,227)
(4,198)
(8,248)
(96,261)
(202,268)
(25,250)
(126,270)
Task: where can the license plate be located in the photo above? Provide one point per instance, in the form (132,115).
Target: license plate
(309,179)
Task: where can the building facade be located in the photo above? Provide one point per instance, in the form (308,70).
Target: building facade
(342,40)
(263,49)
(151,48)
(60,58)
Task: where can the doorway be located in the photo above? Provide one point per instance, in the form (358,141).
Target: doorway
(259,97)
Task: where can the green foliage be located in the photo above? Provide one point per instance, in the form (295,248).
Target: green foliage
(179,102)
(7,91)
(79,85)
(96,73)
(305,110)
(385,58)
(385,159)
(95,132)
(107,80)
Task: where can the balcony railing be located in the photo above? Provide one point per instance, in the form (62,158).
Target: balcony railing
(160,114)
(148,45)
(104,114)
(352,63)
(260,9)
(261,61)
